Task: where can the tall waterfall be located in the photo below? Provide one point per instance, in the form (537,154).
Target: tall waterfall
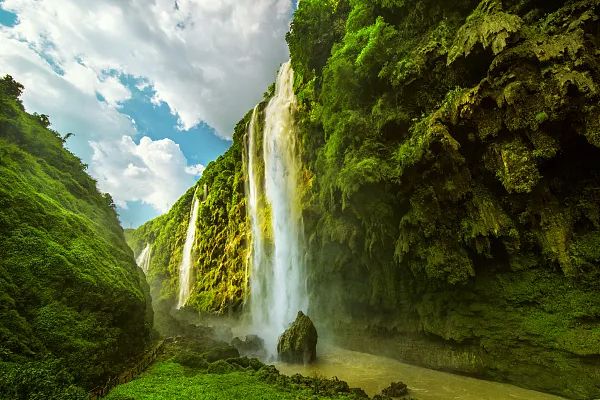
(143,260)
(278,288)
(185,268)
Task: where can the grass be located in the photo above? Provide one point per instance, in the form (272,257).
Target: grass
(170,381)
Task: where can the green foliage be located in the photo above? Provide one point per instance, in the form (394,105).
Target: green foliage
(220,249)
(229,379)
(487,25)
(452,147)
(47,379)
(11,88)
(69,286)
(311,48)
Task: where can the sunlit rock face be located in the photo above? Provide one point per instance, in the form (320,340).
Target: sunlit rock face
(298,344)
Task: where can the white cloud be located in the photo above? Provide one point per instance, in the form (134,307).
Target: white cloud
(195,170)
(207,60)
(71,109)
(153,171)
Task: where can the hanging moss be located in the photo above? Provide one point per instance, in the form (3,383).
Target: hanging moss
(489,26)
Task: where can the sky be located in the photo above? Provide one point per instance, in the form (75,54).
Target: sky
(151,89)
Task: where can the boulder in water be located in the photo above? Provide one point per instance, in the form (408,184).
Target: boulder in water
(298,344)
(396,389)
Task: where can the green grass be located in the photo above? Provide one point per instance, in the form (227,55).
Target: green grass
(171,381)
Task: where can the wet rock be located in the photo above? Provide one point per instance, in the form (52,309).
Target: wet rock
(396,389)
(298,344)
(249,345)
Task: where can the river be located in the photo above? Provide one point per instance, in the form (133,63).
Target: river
(373,373)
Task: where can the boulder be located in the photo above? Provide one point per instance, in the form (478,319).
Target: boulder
(298,344)
(396,389)
(249,344)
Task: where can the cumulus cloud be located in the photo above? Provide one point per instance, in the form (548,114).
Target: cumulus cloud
(195,170)
(207,60)
(70,108)
(151,171)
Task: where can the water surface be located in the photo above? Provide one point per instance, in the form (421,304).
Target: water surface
(373,373)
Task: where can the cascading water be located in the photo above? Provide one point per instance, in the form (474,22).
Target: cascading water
(143,260)
(252,194)
(185,276)
(278,289)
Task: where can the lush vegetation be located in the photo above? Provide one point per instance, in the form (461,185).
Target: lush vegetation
(456,167)
(171,381)
(192,368)
(452,184)
(220,249)
(74,307)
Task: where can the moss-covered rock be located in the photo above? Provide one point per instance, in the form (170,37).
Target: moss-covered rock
(298,344)
(396,389)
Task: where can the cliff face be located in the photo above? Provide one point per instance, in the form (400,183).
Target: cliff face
(74,307)
(452,186)
(219,252)
(455,155)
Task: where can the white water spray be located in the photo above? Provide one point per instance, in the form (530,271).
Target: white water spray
(278,289)
(185,268)
(143,260)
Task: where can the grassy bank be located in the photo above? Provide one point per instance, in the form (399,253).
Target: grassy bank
(171,381)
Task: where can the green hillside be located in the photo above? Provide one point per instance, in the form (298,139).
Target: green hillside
(74,307)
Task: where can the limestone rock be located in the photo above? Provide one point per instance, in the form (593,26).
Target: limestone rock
(298,344)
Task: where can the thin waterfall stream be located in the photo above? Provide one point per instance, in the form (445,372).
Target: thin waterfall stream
(185,268)
(277,282)
(143,259)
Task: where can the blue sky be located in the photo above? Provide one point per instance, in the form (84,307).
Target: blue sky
(199,145)
(151,90)
(7,18)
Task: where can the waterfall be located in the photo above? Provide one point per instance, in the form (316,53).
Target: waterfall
(278,289)
(143,260)
(185,268)
(252,193)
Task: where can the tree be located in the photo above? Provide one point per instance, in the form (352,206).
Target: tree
(10,87)
(43,119)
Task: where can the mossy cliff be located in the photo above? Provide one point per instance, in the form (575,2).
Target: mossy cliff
(220,249)
(456,163)
(452,185)
(74,307)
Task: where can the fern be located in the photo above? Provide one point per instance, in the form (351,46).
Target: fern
(487,25)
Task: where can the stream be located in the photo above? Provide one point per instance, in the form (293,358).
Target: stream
(373,373)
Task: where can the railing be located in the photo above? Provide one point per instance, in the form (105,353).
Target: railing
(127,376)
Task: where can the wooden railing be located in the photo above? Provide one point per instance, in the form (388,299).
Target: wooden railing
(127,376)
